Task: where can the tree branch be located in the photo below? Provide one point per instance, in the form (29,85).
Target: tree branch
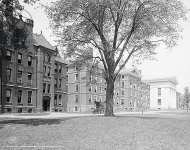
(129,35)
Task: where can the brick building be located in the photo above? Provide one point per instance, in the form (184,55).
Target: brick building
(18,86)
(60,84)
(84,88)
(30,74)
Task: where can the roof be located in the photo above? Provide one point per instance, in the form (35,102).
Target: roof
(40,40)
(60,59)
(170,79)
(135,73)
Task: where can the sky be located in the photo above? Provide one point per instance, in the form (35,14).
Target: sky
(173,62)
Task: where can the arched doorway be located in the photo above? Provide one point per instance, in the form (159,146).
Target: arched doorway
(46,103)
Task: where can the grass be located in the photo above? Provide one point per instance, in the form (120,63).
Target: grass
(151,132)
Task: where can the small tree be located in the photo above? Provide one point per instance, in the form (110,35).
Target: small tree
(116,30)
(187,98)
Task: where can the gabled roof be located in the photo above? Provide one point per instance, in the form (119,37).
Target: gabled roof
(40,40)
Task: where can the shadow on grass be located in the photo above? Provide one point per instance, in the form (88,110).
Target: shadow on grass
(144,117)
(32,122)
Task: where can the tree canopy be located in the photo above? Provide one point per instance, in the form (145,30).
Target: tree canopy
(117,30)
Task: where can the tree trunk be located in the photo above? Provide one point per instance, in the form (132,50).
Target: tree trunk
(109,98)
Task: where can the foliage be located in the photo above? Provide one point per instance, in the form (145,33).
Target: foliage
(115,30)
(186,97)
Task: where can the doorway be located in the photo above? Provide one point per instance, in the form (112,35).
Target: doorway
(46,103)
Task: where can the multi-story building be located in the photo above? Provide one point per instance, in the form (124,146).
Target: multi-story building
(18,85)
(86,86)
(163,93)
(34,77)
(60,84)
(131,94)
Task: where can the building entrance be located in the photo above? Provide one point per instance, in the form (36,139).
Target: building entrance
(46,103)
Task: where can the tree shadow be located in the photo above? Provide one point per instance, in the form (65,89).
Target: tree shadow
(32,122)
(144,117)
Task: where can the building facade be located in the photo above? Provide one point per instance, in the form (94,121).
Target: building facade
(60,85)
(163,93)
(131,94)
(83,90)
(85,87)
(18,84)
(34,76)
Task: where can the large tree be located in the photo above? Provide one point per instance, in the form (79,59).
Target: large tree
(116,30)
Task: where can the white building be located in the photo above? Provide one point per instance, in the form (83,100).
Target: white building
(163,93)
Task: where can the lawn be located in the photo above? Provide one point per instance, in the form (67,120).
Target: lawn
(151,132)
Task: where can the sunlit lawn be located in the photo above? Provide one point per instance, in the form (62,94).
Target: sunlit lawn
(101,133)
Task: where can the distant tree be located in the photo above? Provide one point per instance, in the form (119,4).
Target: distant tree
(142,104)
(186,98)
(116,30)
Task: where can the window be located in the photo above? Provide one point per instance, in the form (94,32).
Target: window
(29,76)
(77,88)
(100,89)
(159,91)
(8,55)
(76,76)
(60,101)
(55,85)
(55,99)
(47,58)
(29,97)
(60,83)
(60,68)
(8,96)
(95,98)
(44,69)
(95,89)
(8,74)
(19,96)
(122,93)
(89,99)
(67,69)
(89,89)
(122,101)
(66,77)
(48,90)
(159,101)
(55,67)
(49,69)
(19,110)
(122,84)
(29,60)
(76,68)
(122,76)
(76,108)
(19,58)
(76,98)
(44,87)
(19,75)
